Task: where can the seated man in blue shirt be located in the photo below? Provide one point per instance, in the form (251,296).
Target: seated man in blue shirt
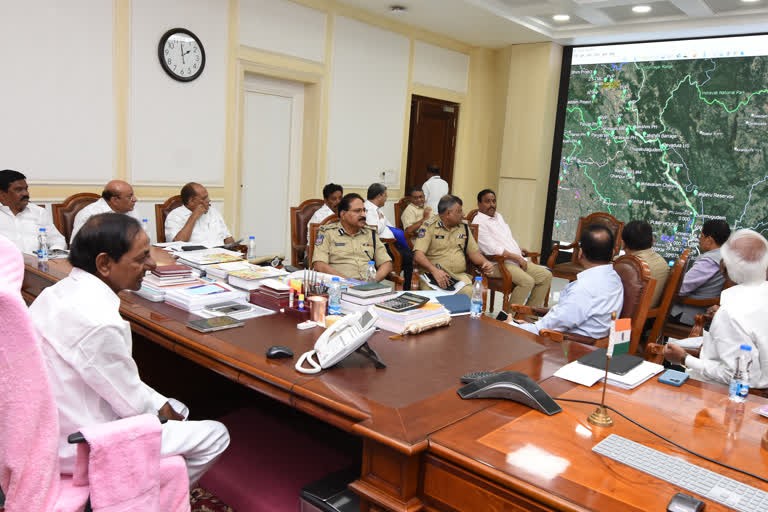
(586,304)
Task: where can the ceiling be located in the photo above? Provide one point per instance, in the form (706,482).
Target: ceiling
(499,23)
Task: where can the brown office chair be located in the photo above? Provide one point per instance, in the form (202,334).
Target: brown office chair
(161,213)
(64,213)
(638,292)
(300,216)
(400,207)
(502,284)
(659,313)
(572,268)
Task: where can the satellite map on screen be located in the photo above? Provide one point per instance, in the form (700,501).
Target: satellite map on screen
(674,142)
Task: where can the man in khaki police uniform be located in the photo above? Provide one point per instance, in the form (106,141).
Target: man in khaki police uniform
(440,246)
(415,214)
(344,248)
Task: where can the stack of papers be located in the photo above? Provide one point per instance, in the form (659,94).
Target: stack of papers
(194,298)
(588,376)
(397,322)
(203,257)
(251,277)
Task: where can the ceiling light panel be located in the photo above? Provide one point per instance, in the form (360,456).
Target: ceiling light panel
(623,13)
(734,6)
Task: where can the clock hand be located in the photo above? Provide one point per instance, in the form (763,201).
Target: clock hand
(181,49)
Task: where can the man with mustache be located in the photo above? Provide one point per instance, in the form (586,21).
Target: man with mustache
(21,221)
(344,248)
(495,239)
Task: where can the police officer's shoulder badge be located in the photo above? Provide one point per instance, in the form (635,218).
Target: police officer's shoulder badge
(319,239)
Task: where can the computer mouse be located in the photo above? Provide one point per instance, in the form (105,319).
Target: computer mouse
(279,352)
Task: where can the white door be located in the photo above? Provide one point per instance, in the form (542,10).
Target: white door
(273,113)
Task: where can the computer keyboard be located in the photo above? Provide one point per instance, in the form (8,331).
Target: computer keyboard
(676,471)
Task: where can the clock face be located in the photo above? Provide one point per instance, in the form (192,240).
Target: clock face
(181,54)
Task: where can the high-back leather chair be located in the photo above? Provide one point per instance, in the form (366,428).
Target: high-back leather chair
(300,216)
(400,207)
(64,213)
(161,213)
(570,269)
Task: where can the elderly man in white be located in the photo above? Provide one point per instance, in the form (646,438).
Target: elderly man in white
(117,197)
(196,222)
(740,320)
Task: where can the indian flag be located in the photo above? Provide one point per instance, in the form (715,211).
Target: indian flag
(621,333)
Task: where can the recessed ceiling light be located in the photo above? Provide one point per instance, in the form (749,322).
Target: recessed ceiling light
(398,9)
(641,9)
(750,1)
(561,17)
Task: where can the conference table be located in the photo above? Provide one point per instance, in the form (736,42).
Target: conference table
(424,448)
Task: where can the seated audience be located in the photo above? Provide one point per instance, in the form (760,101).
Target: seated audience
(415,213)
(87,345)
(344,248)
(740,319)
(704,279)
(331,195)
(444,242)
(435,187)
(638,241)
(495,239)
(586,305)
(117,197)
(20,221)
(377,198)
(196,221)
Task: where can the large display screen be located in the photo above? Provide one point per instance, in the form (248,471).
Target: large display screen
(674,133)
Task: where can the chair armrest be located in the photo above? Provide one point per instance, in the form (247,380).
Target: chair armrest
(567,336)
(553,335)
(654,352)
(698,324)
(528,310)
(533,255)
(700,302)
(556,249)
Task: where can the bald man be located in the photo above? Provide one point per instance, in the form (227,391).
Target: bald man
(117,197)
(196,222)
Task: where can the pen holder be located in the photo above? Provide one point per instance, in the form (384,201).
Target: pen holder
(298,314)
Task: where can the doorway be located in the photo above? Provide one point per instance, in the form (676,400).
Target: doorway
(273,111)
(432,139)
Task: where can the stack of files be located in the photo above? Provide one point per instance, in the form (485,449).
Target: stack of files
(369,290)
(588,376)
(361,303)
(203,257)
(271,294)
(397,322)
(220,270)
(251,277)
(156,283)
(196,297)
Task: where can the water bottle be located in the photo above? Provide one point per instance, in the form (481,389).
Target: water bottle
(42,250)
(145,227)
(370,273)
(739,386)
(334,297)
(251,248)
(476,307)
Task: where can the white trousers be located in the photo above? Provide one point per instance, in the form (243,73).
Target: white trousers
(199,442)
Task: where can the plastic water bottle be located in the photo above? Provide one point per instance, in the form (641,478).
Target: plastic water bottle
(370,273)
(739,386)
(42,247)
(476,307)
(251,248)
(145,227)
(334,297)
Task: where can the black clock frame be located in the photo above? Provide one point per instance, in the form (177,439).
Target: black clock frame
(161,55)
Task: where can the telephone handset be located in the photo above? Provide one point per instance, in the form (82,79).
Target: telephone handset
(339,340)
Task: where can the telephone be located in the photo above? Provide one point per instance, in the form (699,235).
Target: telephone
(338,341)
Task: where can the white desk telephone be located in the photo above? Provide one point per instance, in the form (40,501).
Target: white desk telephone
(339,340)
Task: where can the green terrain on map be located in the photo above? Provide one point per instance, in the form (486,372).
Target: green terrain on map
(672,142)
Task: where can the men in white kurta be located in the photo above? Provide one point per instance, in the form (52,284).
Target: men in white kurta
(740,320)
(435,187)
(331,196)
(196,221)
(20,220)
(87,346)
(117,197)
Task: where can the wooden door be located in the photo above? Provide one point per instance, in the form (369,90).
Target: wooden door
(432,139)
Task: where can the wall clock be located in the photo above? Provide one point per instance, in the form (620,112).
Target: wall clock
(181,54)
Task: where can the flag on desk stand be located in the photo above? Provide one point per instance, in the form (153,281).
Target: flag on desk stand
(621,333)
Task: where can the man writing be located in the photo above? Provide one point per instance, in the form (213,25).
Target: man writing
(415,213)
(495,238)
(87,345)
(20,221)
(344,248)
(117,197)
(196,221)
(444,242)
(586,305)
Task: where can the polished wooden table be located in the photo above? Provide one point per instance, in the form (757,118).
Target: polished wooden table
(426,449)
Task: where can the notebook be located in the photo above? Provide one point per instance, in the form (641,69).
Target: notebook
(620,364)
(456,304)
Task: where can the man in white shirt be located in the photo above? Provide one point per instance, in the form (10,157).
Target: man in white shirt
(20,221)
(435,187)
(117,197)
(196,222)
(586,304)
(332,194)
(87,346)
(377,198)
(495,239)
(740,320)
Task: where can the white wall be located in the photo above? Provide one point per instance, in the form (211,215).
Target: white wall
(439,67)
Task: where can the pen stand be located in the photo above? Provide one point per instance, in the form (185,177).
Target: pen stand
(298,314)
